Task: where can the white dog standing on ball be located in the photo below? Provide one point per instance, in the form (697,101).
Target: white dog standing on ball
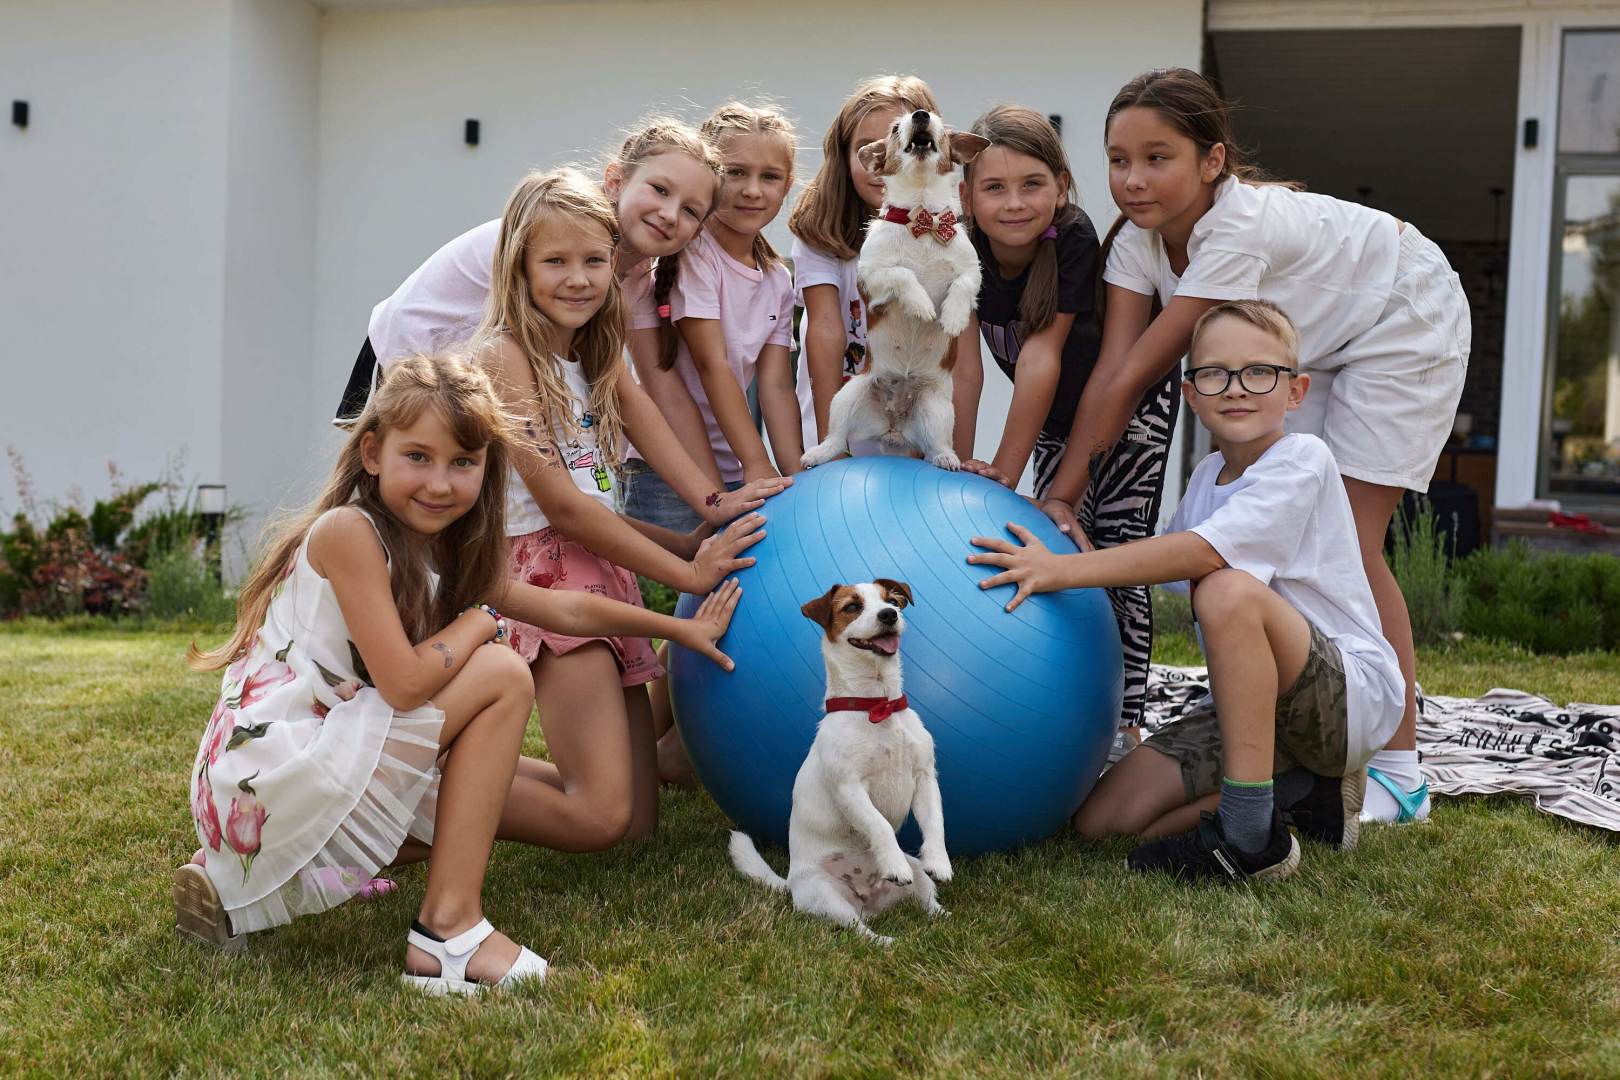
(919,279)
(871,764)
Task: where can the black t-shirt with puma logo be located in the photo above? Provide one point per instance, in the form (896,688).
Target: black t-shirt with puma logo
(1003,331)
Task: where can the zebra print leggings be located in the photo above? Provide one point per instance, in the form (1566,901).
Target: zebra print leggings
(1122,504)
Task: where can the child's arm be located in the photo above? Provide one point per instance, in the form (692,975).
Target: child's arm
(967,385)
(674,401)
(1137,351)
(1040,362)
(584,519)
(344,549)
(579,614)
(658,445)
(779,405)
(707,344)
(1177,556)
(823,348)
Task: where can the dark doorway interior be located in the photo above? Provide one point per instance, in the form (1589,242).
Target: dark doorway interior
(1421,123)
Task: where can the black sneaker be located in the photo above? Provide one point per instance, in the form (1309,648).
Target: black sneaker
(1331,811)
(1204,853)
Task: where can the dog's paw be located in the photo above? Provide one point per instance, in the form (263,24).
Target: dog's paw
(938,868)
(898,873)
(953,318)
(936,912)
(919,305)
(947,460)
(820,455)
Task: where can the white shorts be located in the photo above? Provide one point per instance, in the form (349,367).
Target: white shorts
(1385,403)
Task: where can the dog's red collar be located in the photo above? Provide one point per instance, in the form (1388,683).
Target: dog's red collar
(877,709)
(920,221)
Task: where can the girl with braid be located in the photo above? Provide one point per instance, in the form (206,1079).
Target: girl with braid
(725,307)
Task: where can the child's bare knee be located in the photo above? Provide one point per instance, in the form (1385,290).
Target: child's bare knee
(603,825)
(502,668)
(1224,594)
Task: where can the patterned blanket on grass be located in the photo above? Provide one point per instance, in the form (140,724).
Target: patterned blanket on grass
(1566,760)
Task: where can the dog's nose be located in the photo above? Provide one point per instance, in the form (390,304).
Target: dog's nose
(920,116)
(888,616)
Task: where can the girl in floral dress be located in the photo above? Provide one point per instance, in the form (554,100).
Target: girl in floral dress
(369,696)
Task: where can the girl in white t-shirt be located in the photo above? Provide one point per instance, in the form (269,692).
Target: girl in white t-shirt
(553,335)
(828,224)
(725,307)
(1383,323)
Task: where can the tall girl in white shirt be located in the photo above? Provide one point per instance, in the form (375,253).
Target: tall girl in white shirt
(828,224)
(1384,328)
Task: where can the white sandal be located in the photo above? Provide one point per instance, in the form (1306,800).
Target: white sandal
(198,911)
(453,956)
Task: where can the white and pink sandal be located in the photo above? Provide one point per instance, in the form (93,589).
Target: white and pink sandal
(453,956)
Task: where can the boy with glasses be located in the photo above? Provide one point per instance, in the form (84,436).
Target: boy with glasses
(1305,689)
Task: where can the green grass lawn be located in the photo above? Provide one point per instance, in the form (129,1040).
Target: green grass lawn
(1483,943)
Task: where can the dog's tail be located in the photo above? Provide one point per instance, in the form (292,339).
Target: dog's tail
(748,861)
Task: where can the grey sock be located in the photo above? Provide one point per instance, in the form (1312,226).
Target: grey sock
(1245,814)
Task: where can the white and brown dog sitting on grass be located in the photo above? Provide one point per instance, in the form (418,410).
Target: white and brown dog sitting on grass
(919,279)
(871,764)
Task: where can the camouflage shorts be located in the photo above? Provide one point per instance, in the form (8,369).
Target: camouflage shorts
(1313,726)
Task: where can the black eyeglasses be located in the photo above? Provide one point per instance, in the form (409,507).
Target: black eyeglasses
(1256,378)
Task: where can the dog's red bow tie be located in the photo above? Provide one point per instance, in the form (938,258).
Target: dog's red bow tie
(877,709)
(920,221)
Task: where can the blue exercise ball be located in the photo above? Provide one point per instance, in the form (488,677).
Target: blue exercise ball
(1022,706)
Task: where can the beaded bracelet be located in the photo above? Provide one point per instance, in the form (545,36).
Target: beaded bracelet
(500,623)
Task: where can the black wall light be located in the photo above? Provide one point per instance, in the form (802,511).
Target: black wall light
(19,113)
(472,133)
(1532,132)
(1057,123)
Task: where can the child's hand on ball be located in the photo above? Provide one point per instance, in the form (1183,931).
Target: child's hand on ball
(718,555)
(724,506)
(1032,567)
(709,623)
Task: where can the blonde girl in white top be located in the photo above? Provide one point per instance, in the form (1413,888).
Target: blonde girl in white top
(1383,322)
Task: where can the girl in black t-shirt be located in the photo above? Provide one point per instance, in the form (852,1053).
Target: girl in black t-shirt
(1037,315)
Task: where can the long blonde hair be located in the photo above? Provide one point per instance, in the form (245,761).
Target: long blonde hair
(830,215)
(598,345)
(470,553)
(732,118)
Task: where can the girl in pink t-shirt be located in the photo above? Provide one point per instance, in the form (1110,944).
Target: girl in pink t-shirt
(726,308)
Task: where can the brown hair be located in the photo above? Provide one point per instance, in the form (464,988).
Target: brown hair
(830,215)
(1261,314)
(732,118)
(664,135)
(598,345)
(470,553)
(1025,131)
(1189,103)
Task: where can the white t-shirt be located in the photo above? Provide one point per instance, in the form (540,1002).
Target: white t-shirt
(1329,264)
(814,267)
(585,466)
(440,305)
(1287,521)
(754,308)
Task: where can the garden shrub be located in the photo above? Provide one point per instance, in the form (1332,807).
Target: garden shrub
(1172,613)
(658,596)
(1424,570)
(180,585)
(1548,603)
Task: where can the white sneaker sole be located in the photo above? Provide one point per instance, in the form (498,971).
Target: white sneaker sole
(1353,792)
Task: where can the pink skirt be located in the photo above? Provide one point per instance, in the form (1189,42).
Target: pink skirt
(550,560)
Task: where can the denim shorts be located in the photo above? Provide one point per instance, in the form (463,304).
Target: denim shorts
(648,498)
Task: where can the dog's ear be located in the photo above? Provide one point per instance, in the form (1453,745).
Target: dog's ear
(820,610)
(965,146)
(873,156)
(899,592)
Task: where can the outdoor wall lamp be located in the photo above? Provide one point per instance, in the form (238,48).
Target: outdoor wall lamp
(471,134)
(19,113)
(211,512)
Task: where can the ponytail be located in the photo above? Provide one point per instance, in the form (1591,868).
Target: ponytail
(664,276)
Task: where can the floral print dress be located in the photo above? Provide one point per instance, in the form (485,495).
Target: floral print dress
(307,782)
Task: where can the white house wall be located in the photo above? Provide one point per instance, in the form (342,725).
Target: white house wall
(269,259)
(551,83)
(112,217)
